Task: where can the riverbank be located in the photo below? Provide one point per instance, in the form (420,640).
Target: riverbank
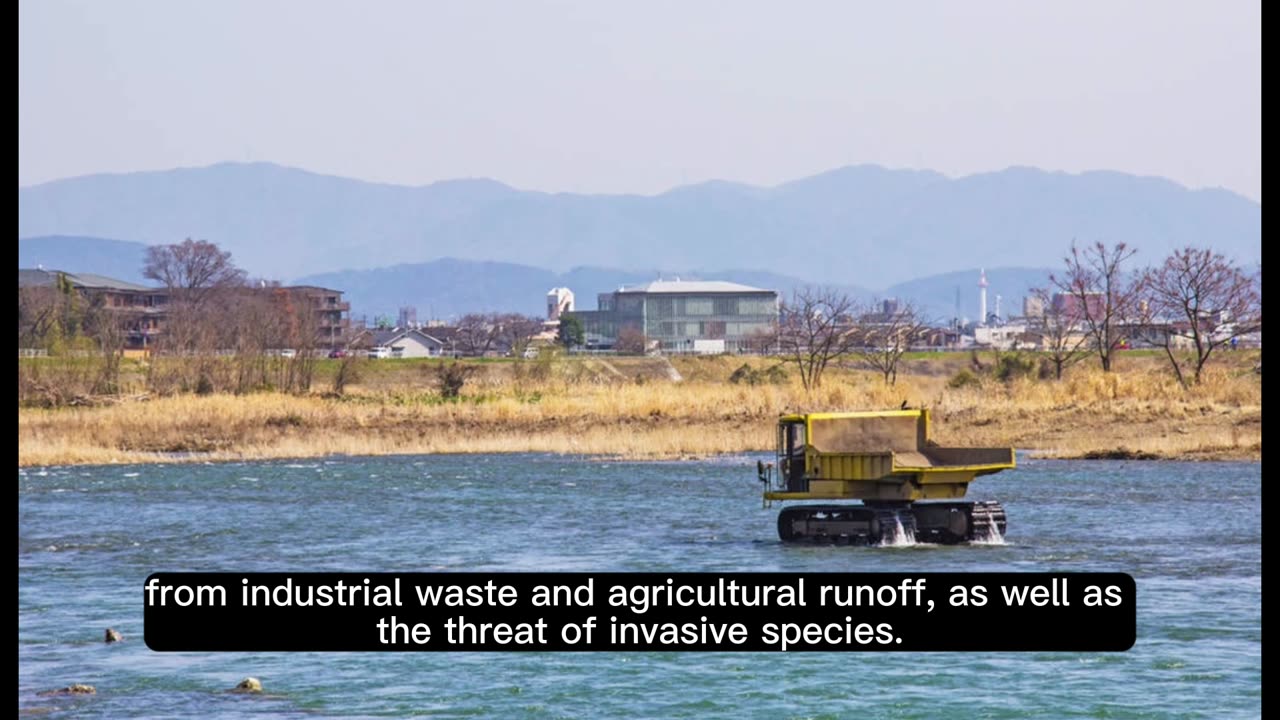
(647,408)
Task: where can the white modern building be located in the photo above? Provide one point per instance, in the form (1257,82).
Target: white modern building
(559,301)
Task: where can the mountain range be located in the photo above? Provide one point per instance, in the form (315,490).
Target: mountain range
(862,226)
(449,287)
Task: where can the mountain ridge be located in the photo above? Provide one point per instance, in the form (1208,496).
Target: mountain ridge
(712,182)
(855,225)
(449,287)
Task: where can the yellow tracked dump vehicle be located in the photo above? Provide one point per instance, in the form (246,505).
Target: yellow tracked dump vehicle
(886,460)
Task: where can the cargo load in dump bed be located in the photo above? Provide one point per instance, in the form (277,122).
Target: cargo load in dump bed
(887,461)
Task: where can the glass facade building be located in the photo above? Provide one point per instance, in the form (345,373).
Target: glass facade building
(681,316)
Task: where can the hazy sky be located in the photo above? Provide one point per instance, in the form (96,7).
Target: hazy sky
(604,96)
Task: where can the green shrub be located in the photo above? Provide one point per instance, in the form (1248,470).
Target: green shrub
(1012,366)
(962,379)
(747,375)
(776,374)
(451,377)
(744,374)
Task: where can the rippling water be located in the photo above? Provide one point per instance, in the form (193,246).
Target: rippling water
(88,536)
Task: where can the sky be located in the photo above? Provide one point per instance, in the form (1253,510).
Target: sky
(608,96)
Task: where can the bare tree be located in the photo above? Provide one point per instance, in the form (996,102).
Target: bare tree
(256,325)
(348,371)
(451,377)
(1102,292)
(631,341)
(762,341)
(108,331)
(191,269)
(813,330)
(477,334)
(1206,300)
(51,317)
(301,323)
(40,316)
(881,339)
(201,283)
(1062,342)
(515,331)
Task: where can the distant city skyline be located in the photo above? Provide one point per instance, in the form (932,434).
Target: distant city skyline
(631,97)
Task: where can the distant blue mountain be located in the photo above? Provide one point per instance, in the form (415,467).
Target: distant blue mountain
(863,225)
(114,258)
(446,288)
(449,287)
(442,288)
(937,295)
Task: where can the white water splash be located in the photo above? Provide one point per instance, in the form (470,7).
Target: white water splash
(900,537)
(993,538)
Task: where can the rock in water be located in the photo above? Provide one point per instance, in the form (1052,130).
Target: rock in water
(112,635)
(75,689)
(248,685)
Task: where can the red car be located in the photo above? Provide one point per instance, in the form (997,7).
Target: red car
(338,353)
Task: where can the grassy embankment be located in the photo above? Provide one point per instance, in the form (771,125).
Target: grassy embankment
(632,407)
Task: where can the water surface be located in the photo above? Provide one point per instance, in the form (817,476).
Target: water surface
(88,537)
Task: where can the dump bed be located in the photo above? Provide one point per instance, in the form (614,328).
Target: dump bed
(904,434)
(881,455)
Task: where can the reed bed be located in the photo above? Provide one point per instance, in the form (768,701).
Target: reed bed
(632,408)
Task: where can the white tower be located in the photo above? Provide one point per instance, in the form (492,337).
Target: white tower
(982,298)
(559,301)
(999,312)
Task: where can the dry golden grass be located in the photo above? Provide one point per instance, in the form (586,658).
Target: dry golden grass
(630,408)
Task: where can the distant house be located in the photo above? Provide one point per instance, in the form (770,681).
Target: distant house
(1176,335)
(1005,337)
(939,338)
(405,343)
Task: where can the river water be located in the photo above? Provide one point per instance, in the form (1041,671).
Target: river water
(1189,533)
